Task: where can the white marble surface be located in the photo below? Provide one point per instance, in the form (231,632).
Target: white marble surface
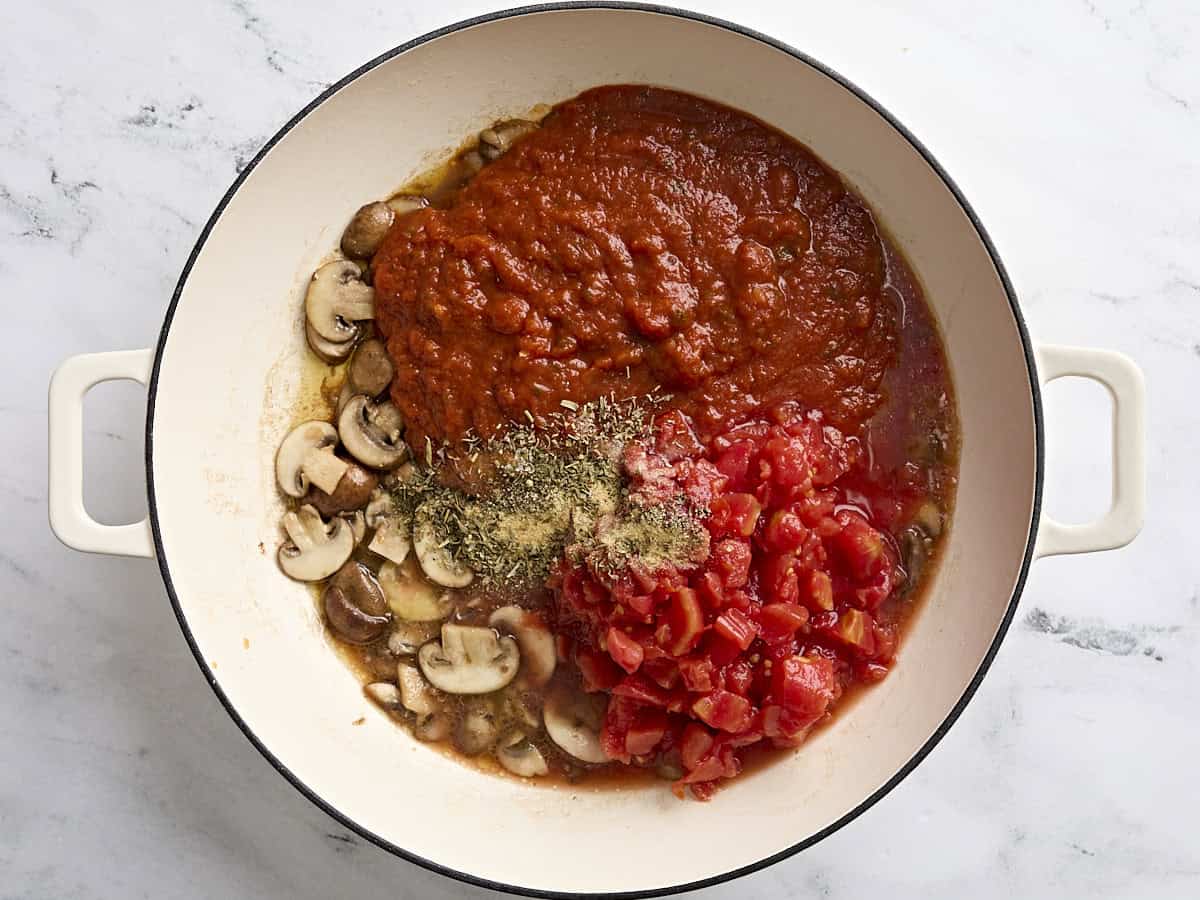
(1074,129)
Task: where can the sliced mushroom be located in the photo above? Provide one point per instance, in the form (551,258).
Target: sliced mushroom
(371,432)
(352,491)
(432,727)
(337,300)
(573,720)
(518,754)
(538,655)
(476,731)
(358,524)
(306,455)
(393,534)
(345,395)
(470,660)
(332,352)
(411,596)
(494,142)
(385,694)
(403,204)
(408,637)
(315,549)
(436,560)
(415,693)
(354,604)
(367,229)
(371,370)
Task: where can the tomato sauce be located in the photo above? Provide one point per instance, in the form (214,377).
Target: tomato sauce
(640,239)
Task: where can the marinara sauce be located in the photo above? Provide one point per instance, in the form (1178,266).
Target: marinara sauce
(640,239)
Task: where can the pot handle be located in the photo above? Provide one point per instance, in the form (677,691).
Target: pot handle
(1123,379)
(68,518)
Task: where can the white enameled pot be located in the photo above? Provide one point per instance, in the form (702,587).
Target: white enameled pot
(220,398)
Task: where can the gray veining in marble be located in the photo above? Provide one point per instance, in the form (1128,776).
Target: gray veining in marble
(1074,127)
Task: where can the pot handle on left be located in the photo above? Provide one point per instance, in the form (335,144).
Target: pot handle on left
(1125,384)
(68,518)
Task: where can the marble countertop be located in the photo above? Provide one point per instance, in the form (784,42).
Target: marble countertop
(1073,126)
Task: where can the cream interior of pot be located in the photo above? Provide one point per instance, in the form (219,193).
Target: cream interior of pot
(229,384)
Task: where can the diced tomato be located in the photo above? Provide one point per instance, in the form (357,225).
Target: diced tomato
(697,672)
(625,651)
(685,622)
(739,677)
(734,463)
(734,514)
(817,590)
(675,439)
(803,687)
(662,671)
(696,744)
(785,533)
(860,546)
(642,690)
(730,558)
(599,672)
(645,731)
(711,590)
(854,627)
(734,625)
(780,620)
(779,579)
(721,650)
(724,711)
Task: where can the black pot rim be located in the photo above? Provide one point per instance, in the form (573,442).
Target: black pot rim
(951,717)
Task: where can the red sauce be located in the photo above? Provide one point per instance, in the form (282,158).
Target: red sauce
(641,238)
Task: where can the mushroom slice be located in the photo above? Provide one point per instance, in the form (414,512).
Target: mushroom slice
(315,549)
(354,604)
(573,721)
(436,559)
(494,142)
(367,229)
(385,694)
(433,727)
(371,432)
(517,754)
(410,596)
(403,204)
(332,352)
(470,660)
(371,368)
(476,731)
(415,693)
(408,637)
(306,454)
(393,535)
(352,491)
(538,654)
(337,300)
(357,523)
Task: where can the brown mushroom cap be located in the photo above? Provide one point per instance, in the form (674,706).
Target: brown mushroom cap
(367,230)
(371,368)
(354,604)
(353,491)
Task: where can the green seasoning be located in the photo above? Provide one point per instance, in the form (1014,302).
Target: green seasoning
(534,494)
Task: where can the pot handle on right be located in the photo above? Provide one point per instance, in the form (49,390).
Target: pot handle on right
(1123,379)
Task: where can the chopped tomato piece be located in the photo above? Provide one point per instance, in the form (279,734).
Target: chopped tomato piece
(780,620)
(697,672)
(803,687)
(685,621)
(625,651)
(696,744)
(779,579)
(817,590)
(645,731)
(734,625)
(854,627)
(599,672)
(861,546)
(724,711)
(730,558)
(785,533)
(712,592)
(642,690)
